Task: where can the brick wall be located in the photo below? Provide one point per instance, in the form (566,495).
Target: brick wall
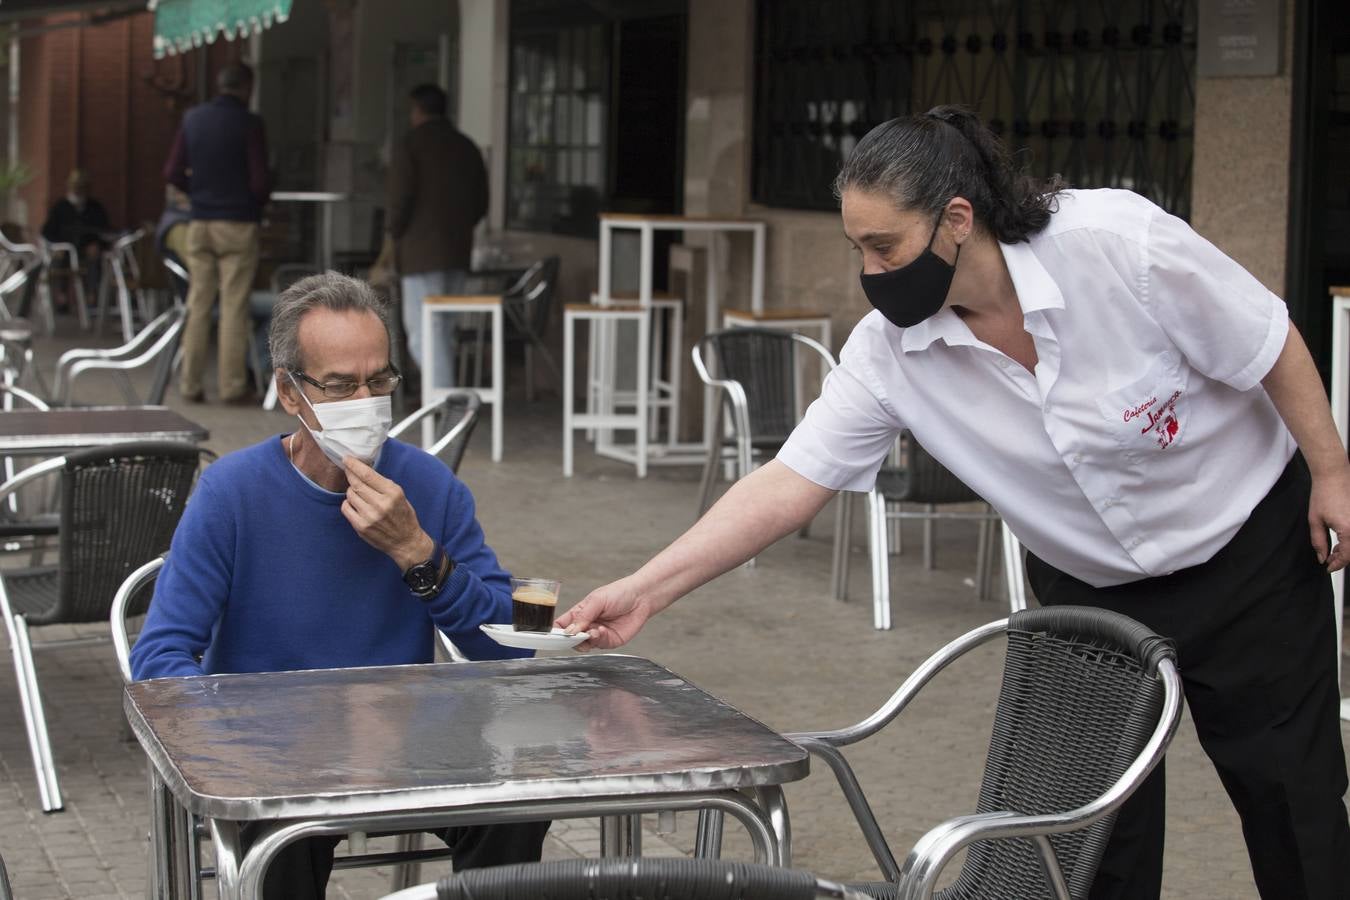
(95,98)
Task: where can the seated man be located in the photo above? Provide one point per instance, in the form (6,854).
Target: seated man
(330,547)
(80,220)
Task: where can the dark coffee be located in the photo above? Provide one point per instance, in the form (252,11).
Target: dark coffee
(532,610)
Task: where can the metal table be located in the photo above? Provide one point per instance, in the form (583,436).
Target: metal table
(403,748)
(38,432)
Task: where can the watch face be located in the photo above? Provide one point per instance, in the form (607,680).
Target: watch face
(421,577)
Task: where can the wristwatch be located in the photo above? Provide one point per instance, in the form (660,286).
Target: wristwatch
(426,579)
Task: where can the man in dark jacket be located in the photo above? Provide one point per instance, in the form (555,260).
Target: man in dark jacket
(220,159)
(437,194)
(80,220)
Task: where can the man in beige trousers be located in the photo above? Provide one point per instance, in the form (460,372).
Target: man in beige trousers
(219,158)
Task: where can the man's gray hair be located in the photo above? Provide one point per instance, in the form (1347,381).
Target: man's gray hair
(330,290)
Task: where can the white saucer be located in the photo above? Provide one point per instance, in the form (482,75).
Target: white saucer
(532,640)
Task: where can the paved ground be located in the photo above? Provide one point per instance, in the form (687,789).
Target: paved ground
(769,640)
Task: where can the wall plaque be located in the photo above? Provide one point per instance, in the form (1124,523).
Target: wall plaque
(1240,37)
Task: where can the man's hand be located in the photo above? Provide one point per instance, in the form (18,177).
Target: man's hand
(383,517)
(611,615)
(1329,510)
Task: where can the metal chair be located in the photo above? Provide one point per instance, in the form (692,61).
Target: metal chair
(71,272)
(623,879)
(758,372)
(6,893)
(527,310)
(119,505)
(917,478)
(1089,703)
(155,346)
(447,425)
(17,523)
(124,277)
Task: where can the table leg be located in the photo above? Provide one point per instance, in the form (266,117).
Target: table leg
(569,362)
(757,273)
(772,801)
(171,870)
(230,864)
(620,836)
(708,836)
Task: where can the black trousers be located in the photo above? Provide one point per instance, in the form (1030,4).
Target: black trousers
(300,871)
(1256,646)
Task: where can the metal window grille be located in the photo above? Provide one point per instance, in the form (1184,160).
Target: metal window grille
(558,123)
(1100,92)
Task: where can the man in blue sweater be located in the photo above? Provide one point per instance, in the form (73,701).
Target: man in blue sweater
(330,547)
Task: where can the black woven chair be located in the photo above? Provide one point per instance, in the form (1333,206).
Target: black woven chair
(119,506)
(452,419)
(917,478)
(1089,703)
(630,879)
(5,892)
(757,372)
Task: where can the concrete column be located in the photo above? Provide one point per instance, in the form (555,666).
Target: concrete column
(1240,176)
(483,70)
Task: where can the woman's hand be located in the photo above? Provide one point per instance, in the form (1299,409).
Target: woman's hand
(610,615)
(1329,510)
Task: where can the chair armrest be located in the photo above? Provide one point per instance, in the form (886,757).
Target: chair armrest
(31,399)
(68,249)
(31,474)
(908,689)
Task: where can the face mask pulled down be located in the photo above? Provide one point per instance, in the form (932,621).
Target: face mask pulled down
(351,427)
(914,292)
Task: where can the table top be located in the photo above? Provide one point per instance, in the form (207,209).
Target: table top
(91,426)
(333,742)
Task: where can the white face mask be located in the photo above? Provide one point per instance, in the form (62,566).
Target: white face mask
(351,427)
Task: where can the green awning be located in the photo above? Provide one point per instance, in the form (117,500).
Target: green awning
(181,25)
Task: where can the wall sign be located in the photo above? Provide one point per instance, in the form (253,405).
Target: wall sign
(1240,37)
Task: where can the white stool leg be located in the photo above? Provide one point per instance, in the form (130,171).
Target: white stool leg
(569,324)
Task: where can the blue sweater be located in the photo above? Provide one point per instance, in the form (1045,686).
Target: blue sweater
(265,574)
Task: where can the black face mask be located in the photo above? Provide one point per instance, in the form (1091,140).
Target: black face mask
(908,295)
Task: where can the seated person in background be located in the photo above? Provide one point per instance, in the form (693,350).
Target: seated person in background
(330,547)
(79,219)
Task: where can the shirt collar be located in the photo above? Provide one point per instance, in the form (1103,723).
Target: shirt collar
(1036,291)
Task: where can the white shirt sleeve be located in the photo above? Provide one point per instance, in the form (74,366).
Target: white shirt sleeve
(847,432)
(1224,321)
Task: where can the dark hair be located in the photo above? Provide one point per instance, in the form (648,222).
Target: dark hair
(429,98)
(924,161)
(235,77)
(327,290)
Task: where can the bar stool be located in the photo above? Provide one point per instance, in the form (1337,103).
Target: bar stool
(601,416)
(664,380)
(494,391)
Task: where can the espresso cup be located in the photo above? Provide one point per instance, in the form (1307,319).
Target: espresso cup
(533,603)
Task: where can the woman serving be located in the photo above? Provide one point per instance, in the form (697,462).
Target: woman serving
(1142,414)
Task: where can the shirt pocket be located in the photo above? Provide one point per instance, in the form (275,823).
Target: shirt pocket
(1150,414)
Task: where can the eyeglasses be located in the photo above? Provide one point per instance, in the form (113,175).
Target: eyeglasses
(379,386)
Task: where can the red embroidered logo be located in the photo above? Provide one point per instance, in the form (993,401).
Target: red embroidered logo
(1162,422)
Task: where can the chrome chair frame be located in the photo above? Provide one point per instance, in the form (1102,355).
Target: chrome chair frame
(917,878)
(740,406)
(466,422)
(120,260)
(157,338)
(50,251)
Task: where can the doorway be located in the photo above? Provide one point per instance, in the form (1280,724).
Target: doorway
(1319,212)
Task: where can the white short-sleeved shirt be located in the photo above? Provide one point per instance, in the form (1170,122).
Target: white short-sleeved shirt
(1144,438)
